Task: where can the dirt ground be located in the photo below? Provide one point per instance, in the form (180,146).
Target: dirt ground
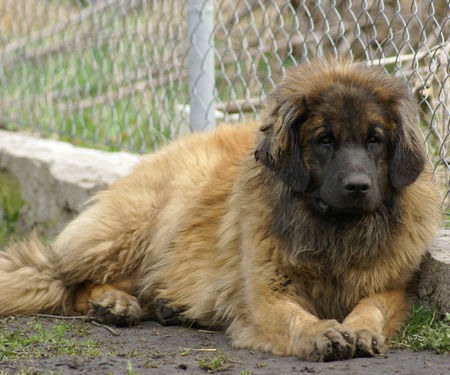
(151,348)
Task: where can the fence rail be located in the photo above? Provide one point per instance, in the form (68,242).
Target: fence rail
(133,74)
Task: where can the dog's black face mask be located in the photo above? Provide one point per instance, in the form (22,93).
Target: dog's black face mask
(346,150)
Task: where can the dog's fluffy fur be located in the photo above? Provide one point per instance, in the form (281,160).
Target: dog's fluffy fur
(299,237)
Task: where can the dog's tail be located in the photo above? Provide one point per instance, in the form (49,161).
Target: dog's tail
(29,279)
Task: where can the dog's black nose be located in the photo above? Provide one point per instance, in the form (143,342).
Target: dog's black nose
(357,185)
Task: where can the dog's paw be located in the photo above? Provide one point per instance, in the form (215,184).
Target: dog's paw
(326,340)
(116,307)
(369,344)
(165,314)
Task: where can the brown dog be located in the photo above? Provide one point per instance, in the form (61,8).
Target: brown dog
(299,237)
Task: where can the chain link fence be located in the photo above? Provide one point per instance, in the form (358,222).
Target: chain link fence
(133,74)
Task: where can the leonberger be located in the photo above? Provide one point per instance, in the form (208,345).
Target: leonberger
(299,236)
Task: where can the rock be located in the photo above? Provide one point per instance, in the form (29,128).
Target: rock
(434,279)
(56,178)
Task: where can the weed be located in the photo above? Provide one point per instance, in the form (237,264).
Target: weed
(213,364)
(424,331)
(186,351)
(149,363)
(131,354)
(130,370)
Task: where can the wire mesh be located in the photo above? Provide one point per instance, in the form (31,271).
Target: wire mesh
(114,73)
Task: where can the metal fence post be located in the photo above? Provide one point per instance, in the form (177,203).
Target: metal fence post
(201,64)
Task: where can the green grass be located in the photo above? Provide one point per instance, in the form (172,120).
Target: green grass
(424,330)
(10,206)
(130,370)
(214,363)
(36,341)
(45,94)
(138,122)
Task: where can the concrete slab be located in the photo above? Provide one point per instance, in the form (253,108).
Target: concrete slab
(56,178)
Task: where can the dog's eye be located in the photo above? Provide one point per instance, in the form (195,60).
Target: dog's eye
(373,139)
(325,140)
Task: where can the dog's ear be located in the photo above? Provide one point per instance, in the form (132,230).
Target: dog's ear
(407,155)
(279,147)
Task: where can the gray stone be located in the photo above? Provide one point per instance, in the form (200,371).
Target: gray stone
(434,279)
(56,178)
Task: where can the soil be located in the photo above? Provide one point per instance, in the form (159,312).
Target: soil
(150,348)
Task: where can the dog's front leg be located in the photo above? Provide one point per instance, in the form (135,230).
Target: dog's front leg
(376,317)
(281,325)
(273,311)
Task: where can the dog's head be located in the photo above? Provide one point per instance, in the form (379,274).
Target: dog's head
(343,135)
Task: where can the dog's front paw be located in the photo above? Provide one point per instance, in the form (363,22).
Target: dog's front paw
(116,307)
(326,340)
(369,344)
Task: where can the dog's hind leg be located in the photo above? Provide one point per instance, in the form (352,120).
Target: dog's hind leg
(101,245)
(109,303)
(96,252)
(101,252)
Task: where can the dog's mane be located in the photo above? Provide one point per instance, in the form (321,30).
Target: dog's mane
(338,241)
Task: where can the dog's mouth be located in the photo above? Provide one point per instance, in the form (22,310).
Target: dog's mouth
(324,208)
(320,206)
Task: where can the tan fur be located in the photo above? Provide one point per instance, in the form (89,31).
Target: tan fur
(191,227)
